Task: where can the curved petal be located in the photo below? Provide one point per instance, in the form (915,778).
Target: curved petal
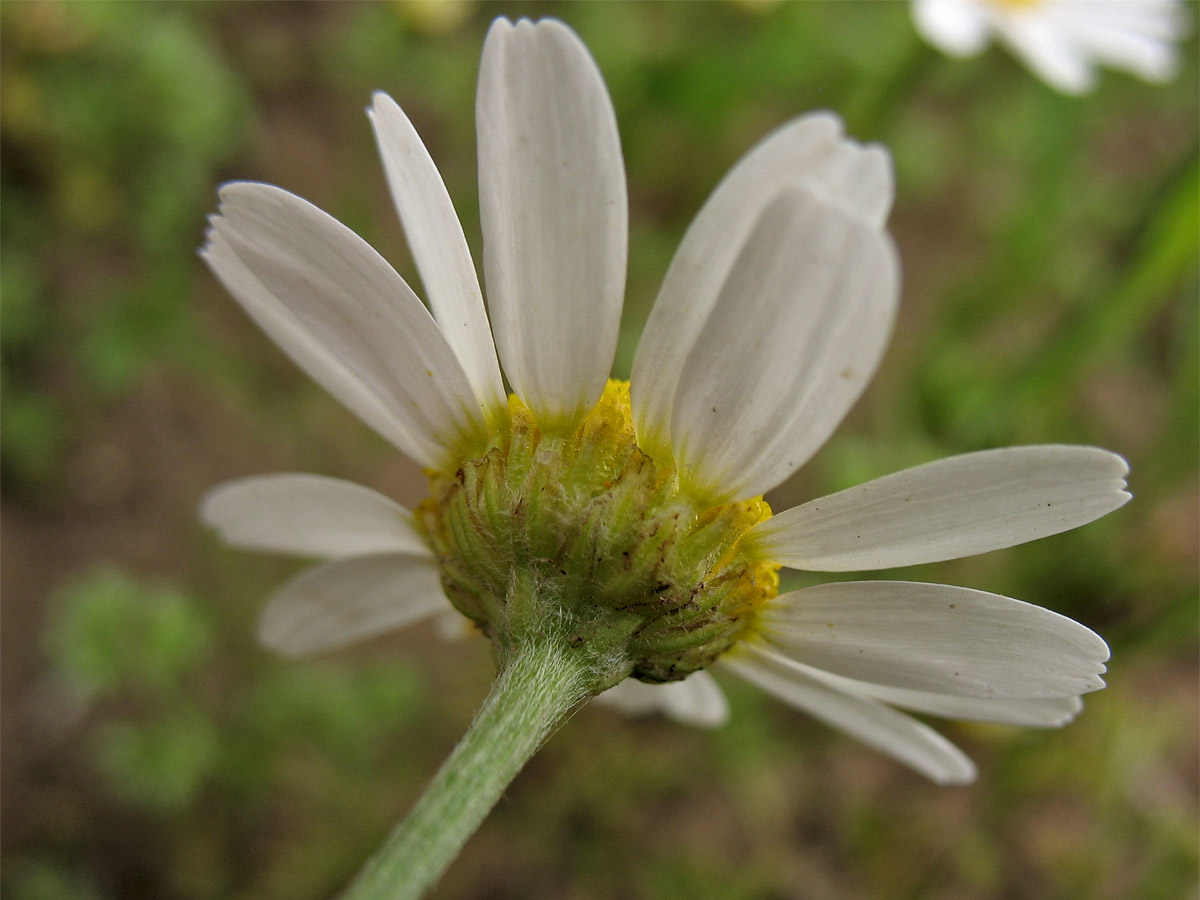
(947,509)
(349,600)
(310,515)
(879,726)
(937,638)
(798,330)
(810,152)
(958,28)
(358,308)
(554,214)
(439,248)
(697,700)
(1043,712)
(312,356)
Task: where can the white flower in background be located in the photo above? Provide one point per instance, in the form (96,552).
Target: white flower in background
(771,320)
(1061,40)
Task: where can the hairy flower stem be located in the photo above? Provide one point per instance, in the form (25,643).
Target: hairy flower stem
(541,678)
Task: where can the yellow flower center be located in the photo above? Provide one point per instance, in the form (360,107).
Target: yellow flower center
(603,532)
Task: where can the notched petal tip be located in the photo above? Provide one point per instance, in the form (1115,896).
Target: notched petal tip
(206,250)
(382,107)
(498,31)
(231,189)
(238,198)
(380,99)
(1120,475)
(525,28)
(1102,651)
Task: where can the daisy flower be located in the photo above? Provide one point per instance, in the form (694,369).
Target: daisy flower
(633,512)
(1061,40)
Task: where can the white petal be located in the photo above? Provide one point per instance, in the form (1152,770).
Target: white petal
(439,248)
(310,515)
(891,732)
(349,600)
(554,213)
(697,700)
(938,638)
(1166,20)
(306,351)
(354,303)
(796,334)
(1050,53)
(947,509)
(809,152)
(957,27)
(1061,41)
(1160,20)
(1045,712)
(1136,37)
(453,626)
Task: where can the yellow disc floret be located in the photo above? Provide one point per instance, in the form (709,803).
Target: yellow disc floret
(617,554)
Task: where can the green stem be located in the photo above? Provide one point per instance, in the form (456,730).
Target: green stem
(539,683)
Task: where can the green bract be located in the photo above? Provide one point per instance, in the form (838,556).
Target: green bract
(642,577)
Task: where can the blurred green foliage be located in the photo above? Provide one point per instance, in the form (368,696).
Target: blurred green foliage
(115,116)
(152,750)
(114,632)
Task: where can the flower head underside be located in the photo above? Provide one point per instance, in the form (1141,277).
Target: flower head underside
(637,508)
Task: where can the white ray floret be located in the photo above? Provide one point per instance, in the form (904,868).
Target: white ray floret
(960,506)
(358,307)
(697,700)
(894,733)
(935,637)
(344,601)
(310,515)
(809,152)
(439,249)
(555,215)
(794,336)
(1038,712)
(318,361)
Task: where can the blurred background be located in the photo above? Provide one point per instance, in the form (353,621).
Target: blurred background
(153,750)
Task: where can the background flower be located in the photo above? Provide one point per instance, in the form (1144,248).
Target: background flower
(152,748)
(1062,40)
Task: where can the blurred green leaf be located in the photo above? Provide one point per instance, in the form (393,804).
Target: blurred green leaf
(33,430)
(41,879)
(344,711)
(114,632)
(161,763)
